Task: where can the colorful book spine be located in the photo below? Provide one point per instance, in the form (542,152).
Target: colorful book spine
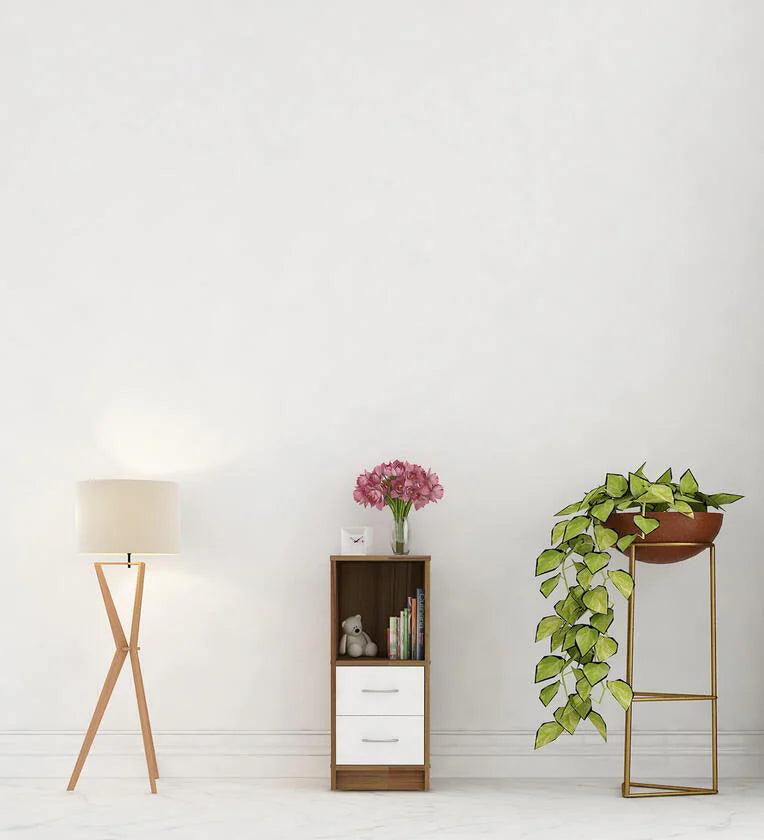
(405,634)
(420,624)
(412,625)
(392,647)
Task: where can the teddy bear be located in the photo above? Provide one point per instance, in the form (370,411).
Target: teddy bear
(354,641)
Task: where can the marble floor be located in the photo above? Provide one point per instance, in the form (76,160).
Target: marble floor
(110,809)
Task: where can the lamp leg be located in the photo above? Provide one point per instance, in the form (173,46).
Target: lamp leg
(140,692)
(103,699)
(143,714)
(120,654)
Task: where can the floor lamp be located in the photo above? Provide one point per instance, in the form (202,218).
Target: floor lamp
(125,517)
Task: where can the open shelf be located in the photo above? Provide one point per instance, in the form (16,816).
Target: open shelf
(376,587)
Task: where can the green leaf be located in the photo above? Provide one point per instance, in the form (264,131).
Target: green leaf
(596,672)
(626,502)
(557,638)
(683,507)
(583,687)
(603,510)
(605,537)
(549,666)
(691,500)
(605,647)
(718,499)
(641,471)
(548,560)
(646,525)
(625,542)
(599,724)
(582,707)
(623,582)
(665,478)
(616,485)
(584,577)
(596,561)
(621,691)
(586,638)
(657,494)
(572,508)
(583,545)
(549,692)
(547,733)
(570,636)
(568,717)
(576,526)
(570,609)
(687,483)
(596,599)
(558,532)
(549,585)
(591,495)
(602,622)
(638,484)
(548,625)
(581,658)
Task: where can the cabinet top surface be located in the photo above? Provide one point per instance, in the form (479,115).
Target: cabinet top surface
(379,558)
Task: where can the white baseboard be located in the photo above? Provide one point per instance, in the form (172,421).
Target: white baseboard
(455,754)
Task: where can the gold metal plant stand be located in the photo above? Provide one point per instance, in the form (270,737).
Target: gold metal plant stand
(658,696)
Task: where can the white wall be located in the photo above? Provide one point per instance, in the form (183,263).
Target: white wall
(256,247)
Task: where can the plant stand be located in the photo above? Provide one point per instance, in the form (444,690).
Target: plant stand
(657,696)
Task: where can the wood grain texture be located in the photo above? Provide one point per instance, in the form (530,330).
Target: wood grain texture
(123,649)
(380,777)
(427,621)
(376,590)
(376,587)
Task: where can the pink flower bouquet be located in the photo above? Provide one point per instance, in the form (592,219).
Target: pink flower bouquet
(398,485)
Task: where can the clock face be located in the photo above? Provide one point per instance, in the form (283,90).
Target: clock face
(355,540)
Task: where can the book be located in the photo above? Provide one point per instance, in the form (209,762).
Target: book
(412,625)
(405,634)
(420,624)
(392,647)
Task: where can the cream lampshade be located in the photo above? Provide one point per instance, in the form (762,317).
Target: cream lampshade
(119,516)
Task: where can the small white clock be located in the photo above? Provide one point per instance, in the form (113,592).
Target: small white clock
(356,540)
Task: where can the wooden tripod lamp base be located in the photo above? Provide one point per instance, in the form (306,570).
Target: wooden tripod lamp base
(125,517)
(123,650)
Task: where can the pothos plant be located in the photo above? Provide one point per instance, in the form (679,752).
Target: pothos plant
(579,644)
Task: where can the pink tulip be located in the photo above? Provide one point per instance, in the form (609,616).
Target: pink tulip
(399,484)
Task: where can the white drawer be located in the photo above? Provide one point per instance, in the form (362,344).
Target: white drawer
(380,740)
(383,690)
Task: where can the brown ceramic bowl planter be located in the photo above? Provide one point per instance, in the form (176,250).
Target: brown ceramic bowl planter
(674,527)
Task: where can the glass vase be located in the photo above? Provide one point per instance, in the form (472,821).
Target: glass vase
(399,540)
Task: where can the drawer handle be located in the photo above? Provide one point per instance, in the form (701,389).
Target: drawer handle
(380,740)
(379,691)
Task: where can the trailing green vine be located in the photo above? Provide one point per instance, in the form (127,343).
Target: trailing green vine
(579,644)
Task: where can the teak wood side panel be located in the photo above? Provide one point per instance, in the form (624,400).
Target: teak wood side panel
(376,586)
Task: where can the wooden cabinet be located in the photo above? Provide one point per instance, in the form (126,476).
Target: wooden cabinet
(380,707)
